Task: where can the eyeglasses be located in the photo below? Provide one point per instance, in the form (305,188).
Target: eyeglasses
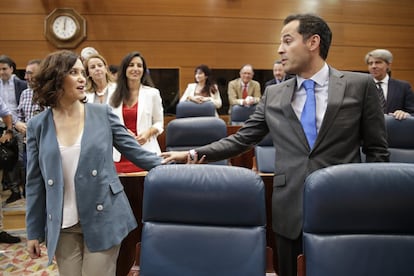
(28,73)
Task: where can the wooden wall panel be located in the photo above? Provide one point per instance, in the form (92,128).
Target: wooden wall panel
(363,11)
(220,33)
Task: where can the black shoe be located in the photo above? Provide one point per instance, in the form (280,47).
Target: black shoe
(7,238)
(13,197)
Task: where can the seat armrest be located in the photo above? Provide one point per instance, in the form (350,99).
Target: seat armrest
(301,265)
(134,271)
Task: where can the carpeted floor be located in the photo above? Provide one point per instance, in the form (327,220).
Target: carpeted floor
(14,260)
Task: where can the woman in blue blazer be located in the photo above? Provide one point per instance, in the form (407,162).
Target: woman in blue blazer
(75,201)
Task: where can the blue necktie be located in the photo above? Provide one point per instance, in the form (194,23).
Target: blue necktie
(308,117)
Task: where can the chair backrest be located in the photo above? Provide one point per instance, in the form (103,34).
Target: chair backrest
(239,114)
(190,109)
(188,133)
(203,220)
(358,220)
(265,154)
(400,139)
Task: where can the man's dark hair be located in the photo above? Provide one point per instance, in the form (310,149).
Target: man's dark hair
(9,61)
(34,61)
(309,25)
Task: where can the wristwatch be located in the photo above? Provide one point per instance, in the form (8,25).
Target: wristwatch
(193,154)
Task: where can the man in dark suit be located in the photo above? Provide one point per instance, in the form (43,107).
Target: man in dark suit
(278,73)
(11,87)
(347,115)
(398,96)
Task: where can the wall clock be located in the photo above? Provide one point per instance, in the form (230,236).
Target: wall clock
(65,28)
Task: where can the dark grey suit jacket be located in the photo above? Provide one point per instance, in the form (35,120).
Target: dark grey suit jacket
(19,87)
(400,97)
(353,116)
(273,81)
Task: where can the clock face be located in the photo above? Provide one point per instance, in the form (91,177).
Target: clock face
(64,27)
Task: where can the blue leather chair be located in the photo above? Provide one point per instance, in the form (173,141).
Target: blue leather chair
(239,114)
(188,133)
(265,154)
(203,220)
(400,139)
(190,109)
(358,220)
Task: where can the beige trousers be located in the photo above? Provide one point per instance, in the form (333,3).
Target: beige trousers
(74,259)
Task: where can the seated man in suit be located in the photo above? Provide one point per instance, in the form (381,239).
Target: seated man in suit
(244,90)
(278,73)
(396,96)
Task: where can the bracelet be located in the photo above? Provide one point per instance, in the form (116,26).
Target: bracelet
(9,131)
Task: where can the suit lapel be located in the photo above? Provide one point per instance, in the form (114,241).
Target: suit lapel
(390,95)
(51,143)
(88,131)
(336,92)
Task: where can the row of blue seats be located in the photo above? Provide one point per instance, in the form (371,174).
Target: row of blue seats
(238,114)
(187,133)
(211,220)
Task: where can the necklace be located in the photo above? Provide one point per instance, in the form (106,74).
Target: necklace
(103,92)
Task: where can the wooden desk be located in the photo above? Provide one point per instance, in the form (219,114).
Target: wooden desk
(245,159)
(134,189)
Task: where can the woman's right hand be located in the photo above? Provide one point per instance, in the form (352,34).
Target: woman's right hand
(33,248)
(196,99)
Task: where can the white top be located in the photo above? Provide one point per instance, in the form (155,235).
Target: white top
(109,90)
(191,91)
(70,158)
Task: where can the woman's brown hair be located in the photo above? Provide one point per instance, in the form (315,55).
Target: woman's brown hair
(48,82)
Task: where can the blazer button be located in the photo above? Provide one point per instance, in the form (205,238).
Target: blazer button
(50,217)
(50,182)
(94,172)
(99,207)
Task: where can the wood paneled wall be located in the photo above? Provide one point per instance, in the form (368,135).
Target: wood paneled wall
(220,33)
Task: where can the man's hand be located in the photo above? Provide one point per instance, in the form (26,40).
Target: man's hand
(248,101)
(400,115)
(20,127)
(6,137)
(193,159)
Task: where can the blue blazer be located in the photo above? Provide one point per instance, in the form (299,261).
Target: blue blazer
(400,97)
(104,211)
